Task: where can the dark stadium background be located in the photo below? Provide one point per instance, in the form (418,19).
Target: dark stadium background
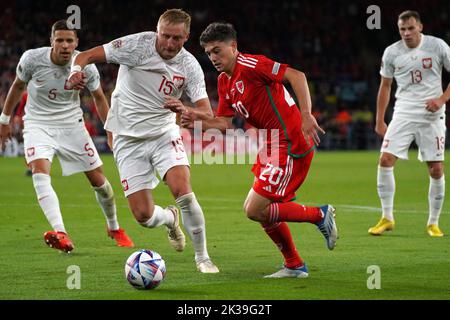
(328,40)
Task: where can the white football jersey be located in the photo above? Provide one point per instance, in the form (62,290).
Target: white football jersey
(418,73)
(49,102)
(144,80)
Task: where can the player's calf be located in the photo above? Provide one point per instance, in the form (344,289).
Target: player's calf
(143,213)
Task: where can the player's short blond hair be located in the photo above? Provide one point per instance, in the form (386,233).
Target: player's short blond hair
(176,16)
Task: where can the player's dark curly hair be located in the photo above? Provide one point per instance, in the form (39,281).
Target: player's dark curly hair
(218,31)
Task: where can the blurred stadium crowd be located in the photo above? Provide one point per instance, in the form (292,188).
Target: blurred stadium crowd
(328,40)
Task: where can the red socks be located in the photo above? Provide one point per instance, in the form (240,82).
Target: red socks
(293,212)
(278,230)
(281,236)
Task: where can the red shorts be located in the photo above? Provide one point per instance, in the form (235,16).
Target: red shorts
(280,182)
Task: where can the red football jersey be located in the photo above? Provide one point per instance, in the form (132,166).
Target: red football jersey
(20,111)
(255,90)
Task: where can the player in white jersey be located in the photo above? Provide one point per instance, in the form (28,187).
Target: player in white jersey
(53,124)
(154,71)
(416,63)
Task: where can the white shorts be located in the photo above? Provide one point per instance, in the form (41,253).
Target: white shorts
(429,137)
(73,146)
(138,160)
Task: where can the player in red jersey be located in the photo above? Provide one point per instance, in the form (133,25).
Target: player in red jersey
(252,85)
(18,123)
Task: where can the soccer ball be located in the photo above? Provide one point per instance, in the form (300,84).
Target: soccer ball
(145,269)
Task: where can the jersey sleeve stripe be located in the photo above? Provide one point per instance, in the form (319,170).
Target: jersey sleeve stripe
(248,59)
(240,58)
(247,65)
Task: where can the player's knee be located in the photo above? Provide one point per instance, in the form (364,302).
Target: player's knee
(181,191)
(96,177)
(436,170)
(178,180)
(387,160)
(179,185)
(252,213)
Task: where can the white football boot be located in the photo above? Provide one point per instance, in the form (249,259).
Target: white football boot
(207,266)
(285,272)
(175,234)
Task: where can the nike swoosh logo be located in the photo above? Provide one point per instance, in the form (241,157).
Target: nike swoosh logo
(91,163)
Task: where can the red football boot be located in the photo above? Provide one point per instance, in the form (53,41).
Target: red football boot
(58,240)
(122,240)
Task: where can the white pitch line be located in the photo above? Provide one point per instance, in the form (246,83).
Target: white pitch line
(35,205)
(62,205)
(224,208)
(355,208)
(376,209)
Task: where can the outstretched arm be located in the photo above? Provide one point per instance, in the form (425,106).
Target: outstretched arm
(299,84)
(94,55)
(222,123)
(12,99)
(384,94)
(202,110)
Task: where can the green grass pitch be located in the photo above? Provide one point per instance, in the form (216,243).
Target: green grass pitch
(412,264)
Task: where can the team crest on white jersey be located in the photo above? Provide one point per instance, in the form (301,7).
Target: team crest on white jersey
(125,185)
(116,44)
(178,81)
(427,63)
(240,86)
(30,152)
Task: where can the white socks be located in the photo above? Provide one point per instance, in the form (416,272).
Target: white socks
(436,195)
(159,217)
(48,201)
(386,190)
(105,198)
(194,224)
